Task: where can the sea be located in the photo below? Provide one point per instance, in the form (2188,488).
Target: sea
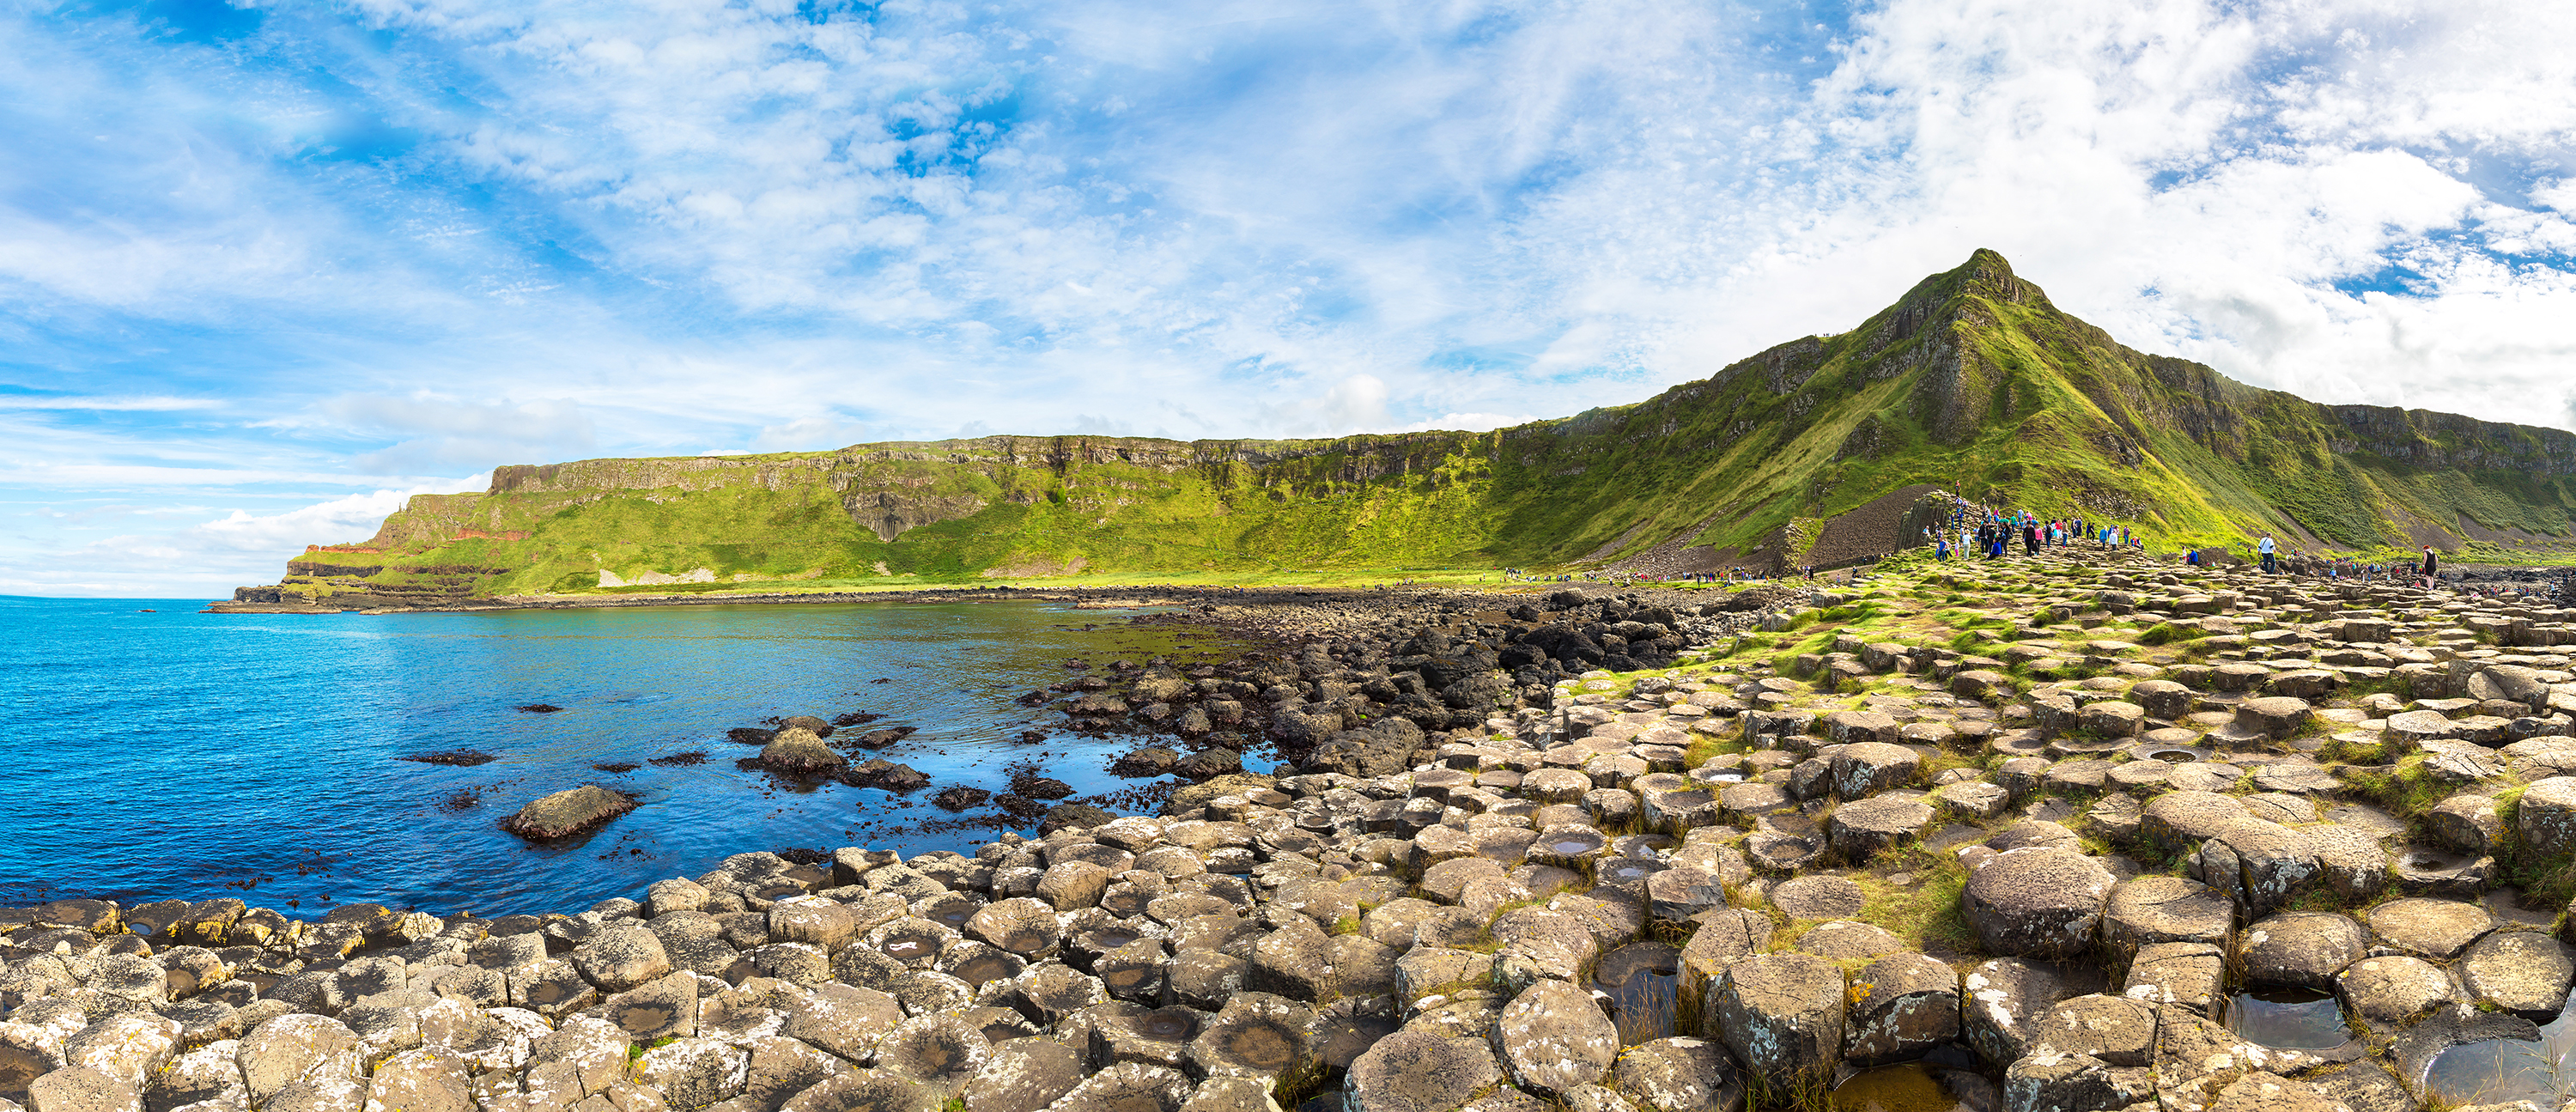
(166,753)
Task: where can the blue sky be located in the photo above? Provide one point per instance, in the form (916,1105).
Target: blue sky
(265,270)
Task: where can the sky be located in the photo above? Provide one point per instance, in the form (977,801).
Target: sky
(267,270)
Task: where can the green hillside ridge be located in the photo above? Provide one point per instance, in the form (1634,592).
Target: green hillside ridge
(1972,381)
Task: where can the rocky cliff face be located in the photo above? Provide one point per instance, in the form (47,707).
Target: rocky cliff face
(1971,381)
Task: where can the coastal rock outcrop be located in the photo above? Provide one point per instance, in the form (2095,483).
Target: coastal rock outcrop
(569,812)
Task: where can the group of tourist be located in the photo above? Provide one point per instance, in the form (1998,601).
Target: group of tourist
(1988,532)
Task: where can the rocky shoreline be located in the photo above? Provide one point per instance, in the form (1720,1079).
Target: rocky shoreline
(2006,835)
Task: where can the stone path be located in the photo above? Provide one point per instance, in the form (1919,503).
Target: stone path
(2029,823)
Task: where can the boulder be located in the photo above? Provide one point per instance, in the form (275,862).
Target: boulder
(2392,992)
(2546,816)
(2040,902)
(1680,1074)
(1999,1001)
(2432,929)
(1552,1039)
(2074,1081)
(2302,948)
(800,752)
(1782,1014)
(1866,768)
(2523,972)
(2185,974)
(1902,1005)
(621,958)
(2262,865)
(2146,910)
(566,813)
(2178,821)
(2115,1029)
(1419,1071)
(1861,829)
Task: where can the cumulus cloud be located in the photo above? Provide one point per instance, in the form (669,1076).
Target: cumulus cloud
(345,519)
(426,237)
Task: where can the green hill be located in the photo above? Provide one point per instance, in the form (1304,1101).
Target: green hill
(1972,381)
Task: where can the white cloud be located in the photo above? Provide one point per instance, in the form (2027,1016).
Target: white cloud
(506,234)
(336,521)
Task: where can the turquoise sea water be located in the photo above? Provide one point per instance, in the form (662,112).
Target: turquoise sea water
(170,754)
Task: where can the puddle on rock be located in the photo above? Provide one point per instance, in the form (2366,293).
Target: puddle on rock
(1643,981)
(1906,1087)
(979,971)
(2288,1019)
(1628,870)
(2494,1071)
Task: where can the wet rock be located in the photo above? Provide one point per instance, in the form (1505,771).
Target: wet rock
(797,751)
(566,813)
(2037,902)
(1782,1014)
(2299,948)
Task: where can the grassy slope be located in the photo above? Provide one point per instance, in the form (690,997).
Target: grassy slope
(1971,381)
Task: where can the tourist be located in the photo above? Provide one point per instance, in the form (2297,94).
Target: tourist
(2432,564)
(2271,563)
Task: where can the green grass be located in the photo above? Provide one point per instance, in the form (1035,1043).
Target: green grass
(1991,391)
